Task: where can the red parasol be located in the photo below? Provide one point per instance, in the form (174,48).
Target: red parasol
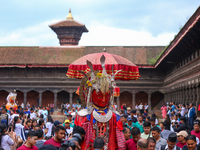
(129,70)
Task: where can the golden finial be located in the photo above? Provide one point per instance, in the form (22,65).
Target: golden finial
(69,16)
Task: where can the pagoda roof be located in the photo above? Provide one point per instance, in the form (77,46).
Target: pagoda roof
(68,23)
(62,56)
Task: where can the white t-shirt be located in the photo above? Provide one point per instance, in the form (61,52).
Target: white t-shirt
(69,131)
(67,106)
(49,126)
(12,117)
(40,112)
(6,142)
(136,107)
(115,106)
(140,106)
(33,115)
(183,110)
(18,127)
(146,107)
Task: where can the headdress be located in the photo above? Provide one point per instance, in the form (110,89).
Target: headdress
(96,84)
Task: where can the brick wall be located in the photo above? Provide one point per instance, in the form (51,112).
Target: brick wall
(141,97)
(20,97)
(32,97)
(47,98)
(126,97)
(3,95)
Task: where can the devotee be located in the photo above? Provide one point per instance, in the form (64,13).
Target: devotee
(6,140)
(191,143)
(142,144)
(181,127)
(99,144)
(45,113)
(127,133)
(59,136)
(132,143)
(151,143)
(191,115)
(167,122)
(68,129)
(139,124)
(171,143)
(196,130)
(159,140)
(40,140)
(182,139)
(162,126)
(33,115)
(30,142)
(133,116)
(153,123)
(147,129)
(129,123)
(146,107)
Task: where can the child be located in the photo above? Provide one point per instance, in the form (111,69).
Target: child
(147,130)
(162,126)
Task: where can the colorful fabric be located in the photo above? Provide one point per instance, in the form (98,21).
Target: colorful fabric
(89,138)
(120,139)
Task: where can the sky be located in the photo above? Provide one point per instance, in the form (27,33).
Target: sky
(110,22)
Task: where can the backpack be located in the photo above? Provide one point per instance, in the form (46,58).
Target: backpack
(163,147)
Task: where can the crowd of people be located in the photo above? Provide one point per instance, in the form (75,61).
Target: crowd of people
(33,128)
(179,128)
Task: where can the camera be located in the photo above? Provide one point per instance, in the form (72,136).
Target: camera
(70,143)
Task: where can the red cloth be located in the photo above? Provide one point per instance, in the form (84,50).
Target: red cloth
(120,139)
(23,147)
(199,107)
(53,142)
(197,134)
(122,107)
(89,138)
(179,144)
(131,145)
(113,125)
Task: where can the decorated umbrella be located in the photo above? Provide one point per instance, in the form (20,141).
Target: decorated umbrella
(129,71)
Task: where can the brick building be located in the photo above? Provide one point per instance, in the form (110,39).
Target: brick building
(170,73)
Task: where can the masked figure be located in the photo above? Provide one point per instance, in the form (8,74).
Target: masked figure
(11,100)
(100,119)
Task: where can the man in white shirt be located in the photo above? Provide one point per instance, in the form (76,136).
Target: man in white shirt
(40,111)
(115,105)
(183,110)
(146,107)
(33,115)
(67,106)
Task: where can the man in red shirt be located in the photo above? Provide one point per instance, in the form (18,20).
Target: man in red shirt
(59,135)
(131,144)
(196,130)
(182,139)
(30,142)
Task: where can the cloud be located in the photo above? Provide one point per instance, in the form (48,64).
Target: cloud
(98,35)
(108,36)
(38,35)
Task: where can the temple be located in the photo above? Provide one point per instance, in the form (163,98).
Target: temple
(168,73)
